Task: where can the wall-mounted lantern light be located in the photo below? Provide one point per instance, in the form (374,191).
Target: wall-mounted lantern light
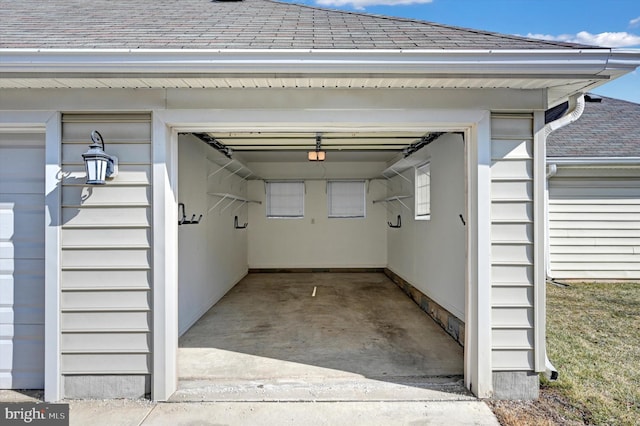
(98,164)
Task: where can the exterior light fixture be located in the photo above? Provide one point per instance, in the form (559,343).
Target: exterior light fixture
(98,164)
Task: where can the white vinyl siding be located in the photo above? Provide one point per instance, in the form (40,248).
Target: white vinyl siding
(106,240)
(512,242)
(285,199)
(22,228)
(594,223)
(423,191)
(346,199)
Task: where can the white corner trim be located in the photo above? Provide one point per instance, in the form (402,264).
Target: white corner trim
(53,217)
(478,374)
(165,261)
(540,232)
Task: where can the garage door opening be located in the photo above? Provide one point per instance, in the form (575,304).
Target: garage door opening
(241,334)
(22,265)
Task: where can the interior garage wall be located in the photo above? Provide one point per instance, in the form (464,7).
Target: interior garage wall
(594,223)
(212,255)
(317,241)
(431,254)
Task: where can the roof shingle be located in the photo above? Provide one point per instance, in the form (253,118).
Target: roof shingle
(610,128)
(247,24)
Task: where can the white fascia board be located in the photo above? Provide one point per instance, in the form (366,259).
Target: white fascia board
(586,63)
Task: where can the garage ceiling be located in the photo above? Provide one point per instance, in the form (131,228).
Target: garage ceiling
(255,147)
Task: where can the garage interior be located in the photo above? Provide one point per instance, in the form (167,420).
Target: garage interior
(287,307)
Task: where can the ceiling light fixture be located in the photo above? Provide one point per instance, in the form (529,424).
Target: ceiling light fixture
(318,154)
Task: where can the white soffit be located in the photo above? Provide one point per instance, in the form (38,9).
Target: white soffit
(504,82)
(460,69)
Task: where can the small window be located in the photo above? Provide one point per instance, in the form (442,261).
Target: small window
(285,199)
(346,198)
(423,192)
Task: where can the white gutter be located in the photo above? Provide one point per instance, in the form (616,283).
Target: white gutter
(558,63)
(576,105)
(593,162)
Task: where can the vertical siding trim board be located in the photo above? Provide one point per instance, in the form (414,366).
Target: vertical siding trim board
(115,208)
(521,266)
(478,374)
(53,216)
(165,255)
(539,231)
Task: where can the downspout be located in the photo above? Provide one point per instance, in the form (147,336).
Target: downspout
(552,170)
(576,107)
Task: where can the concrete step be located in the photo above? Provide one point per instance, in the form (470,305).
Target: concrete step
(323,390)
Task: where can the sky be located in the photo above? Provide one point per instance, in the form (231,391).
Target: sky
(607,23)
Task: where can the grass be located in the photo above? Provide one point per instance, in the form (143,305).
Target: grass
(593,340)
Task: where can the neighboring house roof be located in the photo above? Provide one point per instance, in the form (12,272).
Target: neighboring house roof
(608,127)
(247,24)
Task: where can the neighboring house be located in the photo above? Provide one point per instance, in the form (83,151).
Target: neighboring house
(594,193)
(95,279)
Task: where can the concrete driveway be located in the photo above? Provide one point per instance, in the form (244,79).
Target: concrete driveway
(452,411)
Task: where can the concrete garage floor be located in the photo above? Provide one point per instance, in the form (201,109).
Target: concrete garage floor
(358,338)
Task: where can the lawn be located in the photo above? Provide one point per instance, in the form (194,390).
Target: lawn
(593,340)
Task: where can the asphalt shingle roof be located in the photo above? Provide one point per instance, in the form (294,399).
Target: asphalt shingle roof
(610,128)
(247,24)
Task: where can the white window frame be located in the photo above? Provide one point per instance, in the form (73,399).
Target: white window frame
(282,214)
(346,211)
(422,190)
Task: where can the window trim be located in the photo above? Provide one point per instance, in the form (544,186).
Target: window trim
(419,169)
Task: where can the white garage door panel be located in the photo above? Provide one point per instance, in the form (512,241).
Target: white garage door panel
(21,261)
